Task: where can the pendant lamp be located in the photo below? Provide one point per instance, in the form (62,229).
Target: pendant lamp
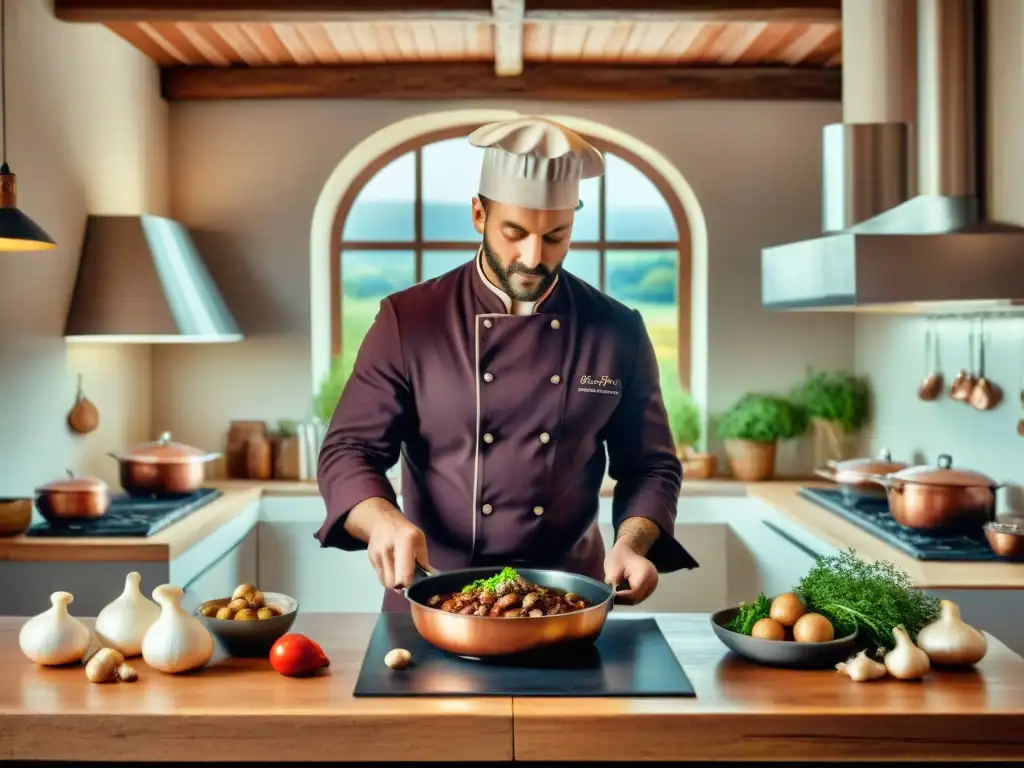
(17,231)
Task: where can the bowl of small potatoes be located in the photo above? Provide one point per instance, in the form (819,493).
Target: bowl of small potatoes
(250,621)
(789,635)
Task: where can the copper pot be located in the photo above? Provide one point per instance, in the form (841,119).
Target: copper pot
(937,498)
(163,468)
(853,476)
(483,636)
(73,498)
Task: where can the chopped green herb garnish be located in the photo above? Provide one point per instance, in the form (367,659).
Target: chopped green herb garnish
(750,614)
(491,584)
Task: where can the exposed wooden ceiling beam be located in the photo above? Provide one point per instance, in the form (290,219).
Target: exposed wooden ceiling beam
(477,81)
(112,11)
(508,37)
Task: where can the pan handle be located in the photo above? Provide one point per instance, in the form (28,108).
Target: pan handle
(421,572)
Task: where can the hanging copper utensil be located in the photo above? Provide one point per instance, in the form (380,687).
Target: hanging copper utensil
(964,381)
(83,417)
(933,382)
(986,394)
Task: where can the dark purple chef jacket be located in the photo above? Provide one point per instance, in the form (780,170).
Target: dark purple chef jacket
(502,422)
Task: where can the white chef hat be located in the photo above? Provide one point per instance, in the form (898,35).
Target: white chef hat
(533,162)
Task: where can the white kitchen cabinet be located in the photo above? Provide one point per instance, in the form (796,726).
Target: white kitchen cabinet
(739,555)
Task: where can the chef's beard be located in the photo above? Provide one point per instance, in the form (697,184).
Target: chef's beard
(504,275)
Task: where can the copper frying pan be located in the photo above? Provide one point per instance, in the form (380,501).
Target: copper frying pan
(482,636)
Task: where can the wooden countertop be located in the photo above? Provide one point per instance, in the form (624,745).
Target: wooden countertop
(924,574)
(780,494)
(241,710)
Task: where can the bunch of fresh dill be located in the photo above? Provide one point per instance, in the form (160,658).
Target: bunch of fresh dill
(875,597)
(749,614)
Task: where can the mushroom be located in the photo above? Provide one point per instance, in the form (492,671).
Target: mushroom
(107,665)
(398,658)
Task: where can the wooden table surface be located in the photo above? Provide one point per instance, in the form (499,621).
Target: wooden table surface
(241,710)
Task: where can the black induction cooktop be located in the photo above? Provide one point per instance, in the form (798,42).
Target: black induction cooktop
(873,516)
(630,658)
(131,516)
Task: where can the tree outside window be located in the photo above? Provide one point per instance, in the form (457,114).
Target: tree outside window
(410,221)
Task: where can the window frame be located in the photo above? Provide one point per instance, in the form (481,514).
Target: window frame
(602,245)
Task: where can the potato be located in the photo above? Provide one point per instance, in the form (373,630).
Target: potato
(813,628)
(787,608)
(209,610)
(768,629)
(246,614)
(265,613)
(238,604)
(243,590)
(226,612)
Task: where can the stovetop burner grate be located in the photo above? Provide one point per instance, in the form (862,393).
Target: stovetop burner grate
(873,516)
(127,516)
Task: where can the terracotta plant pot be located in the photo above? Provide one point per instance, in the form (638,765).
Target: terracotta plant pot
(751,461)
(698,466)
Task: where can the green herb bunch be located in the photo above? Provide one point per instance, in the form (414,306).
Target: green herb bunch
(874,597)
(683,417)
(491,584)
(331,387)
(749,614)
(841,398)
(763,419)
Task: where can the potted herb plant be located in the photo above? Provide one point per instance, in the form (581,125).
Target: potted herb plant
(751,430)
(685,423)
(837,406)
(331,387)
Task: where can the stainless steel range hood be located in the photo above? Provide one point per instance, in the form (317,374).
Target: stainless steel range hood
(932,253)
(141,279)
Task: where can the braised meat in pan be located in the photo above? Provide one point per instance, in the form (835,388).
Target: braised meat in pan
(508,595)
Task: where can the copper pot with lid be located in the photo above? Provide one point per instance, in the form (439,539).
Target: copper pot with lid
(937,498)
(73,498)
(163,467)
(853,476)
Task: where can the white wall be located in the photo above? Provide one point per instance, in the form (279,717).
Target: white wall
(87,133)
(891,350)
(246,176)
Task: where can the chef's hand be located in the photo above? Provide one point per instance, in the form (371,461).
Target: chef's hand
(624,565)
(395,546)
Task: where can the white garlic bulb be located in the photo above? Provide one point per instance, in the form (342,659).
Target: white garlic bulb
(55,637)
(176,641)
(122,624)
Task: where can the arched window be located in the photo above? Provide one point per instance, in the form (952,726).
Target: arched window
(407,218)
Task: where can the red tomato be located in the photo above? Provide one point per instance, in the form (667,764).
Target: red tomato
(297,656)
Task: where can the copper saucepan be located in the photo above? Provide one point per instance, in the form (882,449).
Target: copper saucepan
(73,498)
(163,467)
(853,476)
(483,636)
(937,498)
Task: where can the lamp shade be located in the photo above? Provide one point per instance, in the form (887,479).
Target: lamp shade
(17,231)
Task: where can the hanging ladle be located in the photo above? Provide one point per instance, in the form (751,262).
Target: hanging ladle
(986,394)
(964,381)
(932,384)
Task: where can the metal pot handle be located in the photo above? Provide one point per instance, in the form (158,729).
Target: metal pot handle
(421,572)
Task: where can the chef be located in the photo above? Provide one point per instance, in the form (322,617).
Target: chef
(502,385)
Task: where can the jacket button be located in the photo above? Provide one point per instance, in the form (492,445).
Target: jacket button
(545,437)
(488,323)
(555,324)
(555,379)
(488,437)
(538,511)
(487,509)
(488,376)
